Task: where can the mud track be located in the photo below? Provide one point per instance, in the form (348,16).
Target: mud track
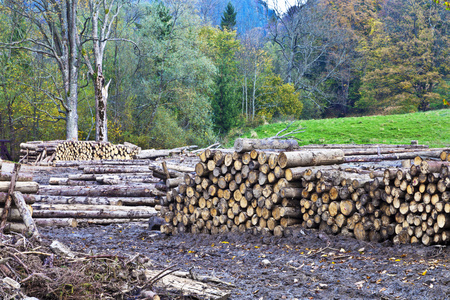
(308,265)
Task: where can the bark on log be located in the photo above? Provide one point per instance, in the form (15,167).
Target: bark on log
(247,145)
(310,158)
(10,187)
(29,199)
(85,221)
(144,190)
(395,156)
(26,216)
(188,287)
(86,207)
(114,169)
(152,153)
(56,222)
(98,214)
(13,215)
(7,176)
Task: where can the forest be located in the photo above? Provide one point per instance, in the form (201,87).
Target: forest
(168,73)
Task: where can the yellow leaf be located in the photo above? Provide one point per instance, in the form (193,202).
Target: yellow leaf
(224,242)
(424,273)
(212,245)
(256,247)
(233,257)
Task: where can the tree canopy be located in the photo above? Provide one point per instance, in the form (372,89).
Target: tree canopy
(172,72)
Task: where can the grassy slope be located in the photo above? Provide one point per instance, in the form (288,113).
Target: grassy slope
(430,128)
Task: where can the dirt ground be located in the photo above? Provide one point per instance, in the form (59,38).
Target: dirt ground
(308,265)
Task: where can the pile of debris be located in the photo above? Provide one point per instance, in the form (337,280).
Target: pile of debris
(51,270)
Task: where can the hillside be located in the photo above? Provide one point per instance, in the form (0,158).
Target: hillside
(431,128)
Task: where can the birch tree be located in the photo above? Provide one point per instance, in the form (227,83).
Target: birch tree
(99,22)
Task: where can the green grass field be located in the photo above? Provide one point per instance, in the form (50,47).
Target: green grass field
(429,128)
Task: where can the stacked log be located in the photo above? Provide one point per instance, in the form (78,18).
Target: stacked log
(104,192)
(17,194)
(90,150)
(277,192)
(45,152)
(420,197)
(38,152)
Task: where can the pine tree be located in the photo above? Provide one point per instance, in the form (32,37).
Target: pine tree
(229,18)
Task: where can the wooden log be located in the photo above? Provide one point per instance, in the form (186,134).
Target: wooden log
(187,287)
(10,187)
(115,169)
(310,158)
(29,199)
(201,169)
(394,156)
(86,207)
(291,192)
(443,221)
(7,176)
(247,145)
(347,207)
(141,190)
(26,216)
(86,221)
(429,166)
(14,214)
(152,153)
(98,214)
(56,222)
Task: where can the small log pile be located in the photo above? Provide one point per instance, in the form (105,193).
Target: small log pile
(279,192)
(104,192)
(38,152)
(90,150)
(45,152)
(17,193)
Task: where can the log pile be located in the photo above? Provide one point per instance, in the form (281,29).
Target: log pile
(89,150)
(38,152)
(279,192)
(17,193)
(104,192)
(45,152)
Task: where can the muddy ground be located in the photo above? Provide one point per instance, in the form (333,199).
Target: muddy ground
(309,265)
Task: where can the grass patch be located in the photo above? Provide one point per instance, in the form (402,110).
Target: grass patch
(430,128)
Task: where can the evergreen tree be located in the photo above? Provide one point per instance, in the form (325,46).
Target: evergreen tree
(229,18)
(223,47)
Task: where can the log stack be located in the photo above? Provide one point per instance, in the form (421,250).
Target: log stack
(89,150)
(38,152)
(104,192)
(45,152)
(272,191)
(17,194)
